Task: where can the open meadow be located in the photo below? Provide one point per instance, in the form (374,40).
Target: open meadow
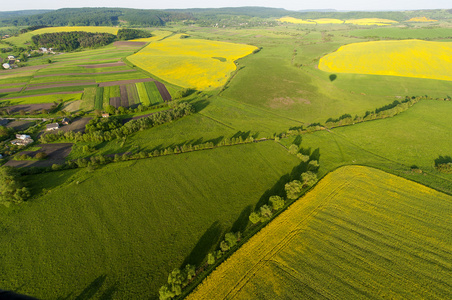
(120,229)
(360,233)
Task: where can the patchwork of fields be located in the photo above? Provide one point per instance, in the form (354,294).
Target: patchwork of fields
(76,76)
(360,233)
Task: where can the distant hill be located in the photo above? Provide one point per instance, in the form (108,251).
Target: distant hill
(19,13)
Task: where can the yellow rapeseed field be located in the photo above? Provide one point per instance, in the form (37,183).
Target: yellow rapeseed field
(408,58)
(371,21)
(359,232)
(295,20)
(112,30)
(421,19)
(191,63)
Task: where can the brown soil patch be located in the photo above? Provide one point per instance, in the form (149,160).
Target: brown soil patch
(54,85)
(10,90)
(115,101)
(19,125)
(46,94)
(120,82)
(129,44)
(13,84)
(82,74)
(106,65)
(286,102)
(124,96)
(77,125)
(28,107)
(163,91)
(56,154)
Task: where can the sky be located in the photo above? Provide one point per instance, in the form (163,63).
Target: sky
(287,4)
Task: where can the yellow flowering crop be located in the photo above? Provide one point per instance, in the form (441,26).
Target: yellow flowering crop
(310,21)
(408,58)
(191,63)
(371,21)
(421,19)
(344,239)
(112,30)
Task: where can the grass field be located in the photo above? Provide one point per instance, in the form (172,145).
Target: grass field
(44,99)
(142,93)
(360,233)
(126,225)
(408,58)
(403,33)
(190,62)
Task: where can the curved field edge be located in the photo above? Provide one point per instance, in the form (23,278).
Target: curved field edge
(359,233)
(191,63)
(407,58)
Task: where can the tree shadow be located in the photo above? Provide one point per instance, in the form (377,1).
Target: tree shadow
(200,104)
(215,141)
(276,190)
(333,77)
(443,160)
(90,291)
(204,245)
(297,140)
(242,221)
(242,134)
(315,155)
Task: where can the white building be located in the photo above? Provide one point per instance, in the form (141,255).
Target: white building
(22,136)
(6,66)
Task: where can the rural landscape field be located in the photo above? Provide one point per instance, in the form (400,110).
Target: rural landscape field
(225,153)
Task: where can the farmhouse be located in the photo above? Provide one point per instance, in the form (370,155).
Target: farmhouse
(22,136)
(105,115)
(52,126)
(65,121)
(6,66)
(22,142)
(11,57)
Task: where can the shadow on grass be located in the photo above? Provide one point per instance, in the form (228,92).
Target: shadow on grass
(242,221)
(443,160)
(204,245)
(200,104)
(92,289)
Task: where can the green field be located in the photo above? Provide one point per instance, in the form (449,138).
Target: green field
(404,33)
(153,93)
(130,223)
(359,234)
(44,99)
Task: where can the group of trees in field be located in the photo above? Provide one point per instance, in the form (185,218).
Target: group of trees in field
(102,124)
(178,111)
(130,34)
(11,187)
(69,41)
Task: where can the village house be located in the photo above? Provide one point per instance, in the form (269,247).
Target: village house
(66,121)
(11,57)
(105,115)
(52,126)
(22,140)
(6,66)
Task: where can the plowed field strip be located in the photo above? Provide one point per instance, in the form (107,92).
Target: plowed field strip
(32,88)
(46,84)
(163,91)
(115,64)
(124,98)
(119,82)
(75,74)
(115,101)
(10,90)
(13,84)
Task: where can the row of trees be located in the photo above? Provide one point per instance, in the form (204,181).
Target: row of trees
(69,41)
(11,187)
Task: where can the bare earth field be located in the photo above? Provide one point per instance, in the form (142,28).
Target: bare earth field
(29,107)
(56,153)
(11,90)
